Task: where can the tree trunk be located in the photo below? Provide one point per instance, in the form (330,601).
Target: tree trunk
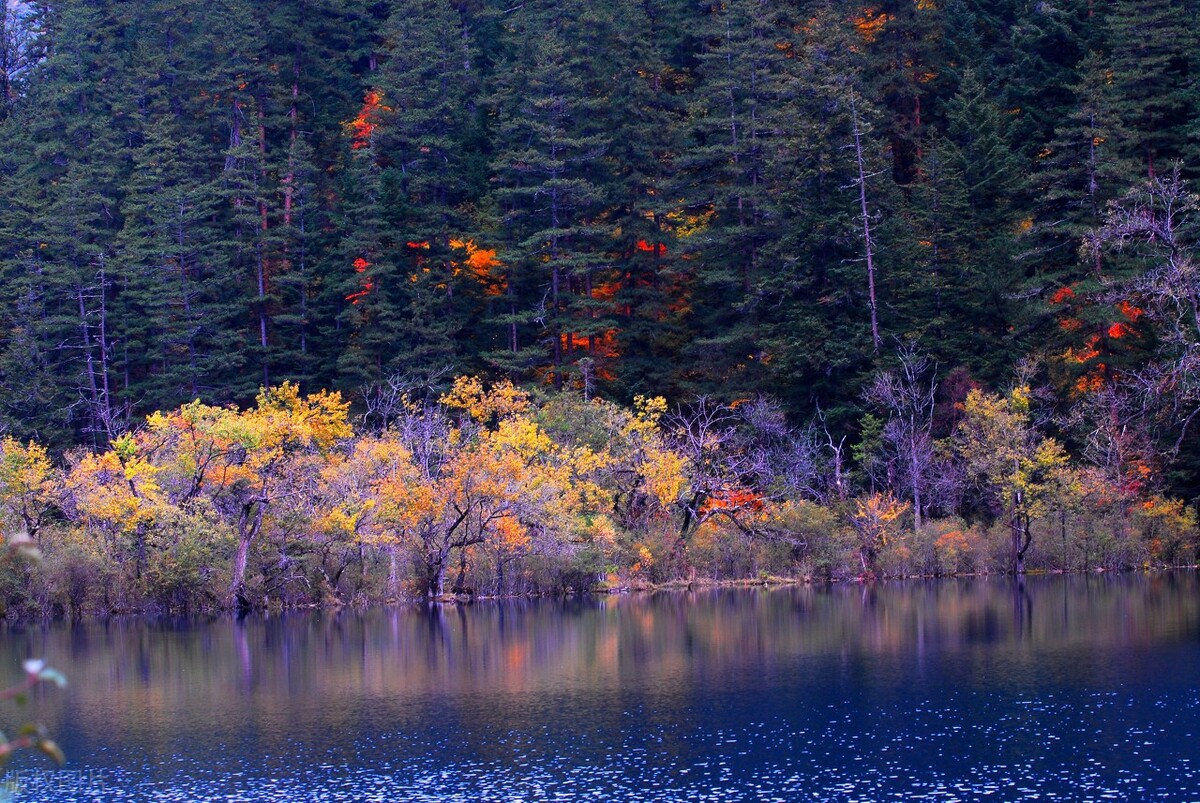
(393,572)
(252,518)
(866,227)
(237,586)
(1022,537)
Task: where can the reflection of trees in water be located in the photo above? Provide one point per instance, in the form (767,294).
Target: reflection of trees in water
(1022,609)
(652,655)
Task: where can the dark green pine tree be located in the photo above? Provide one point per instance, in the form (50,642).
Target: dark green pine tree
(740,122)
(1047,44)
(319,54)
(302,223)
(433,171)
(906,48)
(66,162)
(1078,172)
(550,176)
(1151,47)
(646,110)
(252,247)
(977,148)
(1081,171)
(175,320)
(936,292)
(964,46)
(814,307)
(361,283)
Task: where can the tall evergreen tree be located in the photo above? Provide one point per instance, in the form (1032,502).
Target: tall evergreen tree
(63,213)
(740,122)
(1151,46)
(551,177)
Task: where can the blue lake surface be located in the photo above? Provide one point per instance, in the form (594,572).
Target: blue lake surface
(1060,688)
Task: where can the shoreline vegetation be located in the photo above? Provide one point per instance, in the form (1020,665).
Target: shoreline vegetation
(732,290)
(496,491)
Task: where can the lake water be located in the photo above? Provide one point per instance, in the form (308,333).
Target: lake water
(1064,689)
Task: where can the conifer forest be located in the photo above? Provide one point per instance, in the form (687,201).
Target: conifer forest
(331,301)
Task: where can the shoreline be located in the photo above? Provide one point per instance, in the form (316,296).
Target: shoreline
(632,588)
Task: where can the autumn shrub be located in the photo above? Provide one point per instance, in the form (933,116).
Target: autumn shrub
(719,550)
(953,547)
(1169,531)
(814,537)
(900,557)
(658,554)
(20,584)
(75,570)
(877,520)
(184,552)
(775,557)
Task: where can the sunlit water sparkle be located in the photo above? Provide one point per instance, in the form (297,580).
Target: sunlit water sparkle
(1067,689)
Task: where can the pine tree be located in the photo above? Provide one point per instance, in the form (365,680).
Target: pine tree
(645,111)
(1080,170)
(176,319)
(298,279)
(741,122)
(1151,49)
(1047,45)
(433,171)
(66,168)
(550,175)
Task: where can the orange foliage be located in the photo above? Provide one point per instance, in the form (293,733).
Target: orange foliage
(657,248)
(602,344)
(367,284)
(736,499)
(953,541)
(1088,352)
(1091,382)
(363,126)
(479,262)
(1131,312)
(606,291)
(1062,294)
(1118,330)
(871,23)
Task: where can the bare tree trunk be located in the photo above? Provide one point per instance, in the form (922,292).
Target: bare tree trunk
(106,411)
(393,572)
(260,252)
(96,401)
(252,520)
(866,227)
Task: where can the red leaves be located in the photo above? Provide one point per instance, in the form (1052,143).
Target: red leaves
(367,284)
(1061,295)
(363,126)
